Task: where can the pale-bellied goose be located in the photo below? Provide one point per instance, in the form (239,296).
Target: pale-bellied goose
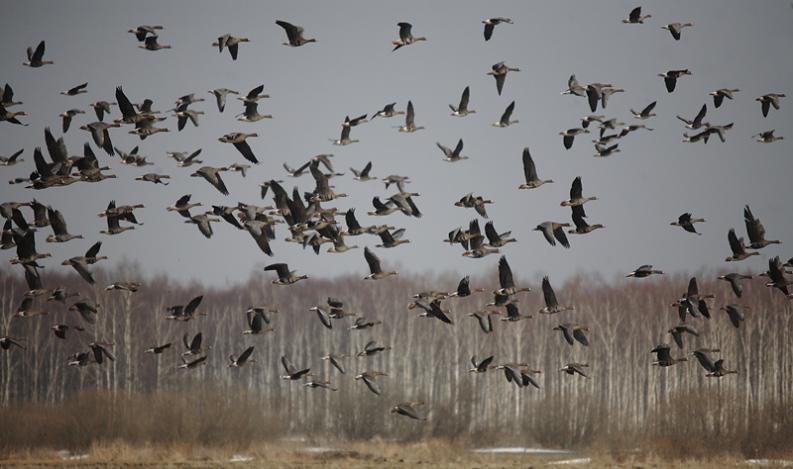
(491,23)
(294,34)
(462,109)
(406,37)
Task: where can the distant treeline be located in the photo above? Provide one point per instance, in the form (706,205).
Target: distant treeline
(625,401)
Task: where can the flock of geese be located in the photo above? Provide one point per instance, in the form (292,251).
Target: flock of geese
(310,222)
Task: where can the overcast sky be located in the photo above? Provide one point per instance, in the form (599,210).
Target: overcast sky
(351,70)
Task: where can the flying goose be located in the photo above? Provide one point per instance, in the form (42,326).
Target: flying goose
(13,159)
(190,364)
(391,239)
(491,23)
(34,57)
(576,195)
(735,312)
(645,113)
(496,239)
(285,276)
(294,34)
(158,349)
(568,136)
(387,111)
(335,360)
(212,176)
(506,280)
(573,332)
(635,16)
(257,321)
(361,323)
(251,113)
(520,374)
(100,352)
(663,356)
(483,318)
(573,368)
(183,114)
(363,174)
(238,140)
(766,101)
(606,92)
(696,123)
(476,202)
(74,91)
(431,310)
(480,366)
(368,378)
(499,71)
(553,231)
(142,31)
(552,306)
(194,347)
(595,93)
(530,172)
(738,248)
(204,223)
(478,249)
(26,309)
(720,94)
(243,359)
(733,279)
(504,120)
(7,116)
(345,139)
(86,309)
(408,409)
(60,330)
(574,88)
(101,108)
(185,312)
(462,109)
(693,302)
(230,42)
(376,272)
(767,137)
(410,125)
(686,221)
(66,118)
(371,348)
(581,225)
(131,287)
(644,271)
(154,178)
(100,134)
(676,28)
(678,331)
(58,224)
(670,78)
(220,97)
(452,155)
(406,37)
(776,275)
(292,373)
(7,99)
(183,206)
(755,230)
(150,43)
(183,160)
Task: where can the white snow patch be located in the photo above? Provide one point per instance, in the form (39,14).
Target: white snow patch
(572,461)
(769,462)
(241,458)
(521,450)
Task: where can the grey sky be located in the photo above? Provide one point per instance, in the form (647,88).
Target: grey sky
(351,70)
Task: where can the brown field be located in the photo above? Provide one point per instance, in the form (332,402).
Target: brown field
(436,453)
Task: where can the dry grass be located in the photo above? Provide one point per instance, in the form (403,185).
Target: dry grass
(182,422)
(356,455)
